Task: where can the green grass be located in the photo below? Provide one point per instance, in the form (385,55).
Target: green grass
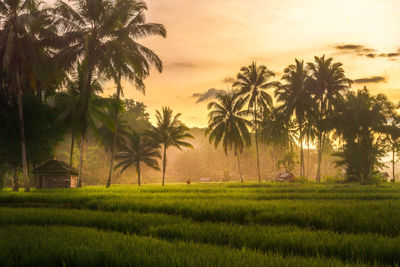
(75,246)
(271,224)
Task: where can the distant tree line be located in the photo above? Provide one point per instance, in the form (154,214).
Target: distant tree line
(314,105)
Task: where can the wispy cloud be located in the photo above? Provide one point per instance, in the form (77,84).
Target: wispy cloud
(354,49)
(364,51)
(180,64)
(373,79)
(209,94)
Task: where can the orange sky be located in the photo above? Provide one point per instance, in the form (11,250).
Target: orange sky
(209,40)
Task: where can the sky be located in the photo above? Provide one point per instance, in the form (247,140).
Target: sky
(209,41)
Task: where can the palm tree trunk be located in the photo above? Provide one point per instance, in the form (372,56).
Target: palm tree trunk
(301,150)
(85,107)
(71,152)
(274,162)
(320,150)
(240,170)
(138,173)
(22,136)
(308,153)
(15,182)
(393,163)
(81,162)
(114,145)
(256,137)
(164,164)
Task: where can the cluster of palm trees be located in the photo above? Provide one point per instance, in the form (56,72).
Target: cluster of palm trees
(144,147)
(311,107)
(71,47)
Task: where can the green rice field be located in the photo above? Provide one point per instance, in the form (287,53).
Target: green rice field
(227,224)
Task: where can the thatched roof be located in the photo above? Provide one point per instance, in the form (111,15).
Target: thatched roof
(285,175)
(55,166)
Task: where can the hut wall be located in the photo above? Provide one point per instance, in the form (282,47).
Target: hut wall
(58,181)
(74,181)
(51,180)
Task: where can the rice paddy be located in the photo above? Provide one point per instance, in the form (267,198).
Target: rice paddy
(228,224)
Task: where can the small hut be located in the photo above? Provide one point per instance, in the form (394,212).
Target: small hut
(205,179)
(55,174)
(285,177)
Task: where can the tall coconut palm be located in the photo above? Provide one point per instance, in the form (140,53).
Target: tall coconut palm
(296,99)
(139,149)
(169,132)
(21,52)
(227,123)
(89,29)
(129,59)
(253,81)
(328,82)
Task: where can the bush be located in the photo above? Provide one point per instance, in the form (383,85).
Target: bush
(375,177)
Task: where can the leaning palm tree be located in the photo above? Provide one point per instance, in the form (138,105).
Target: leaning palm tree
(89,33)
(169,132)
(128,58)
(328,83)
(227,123)
(22,24)
(296,99)
(253,81)
(140,149)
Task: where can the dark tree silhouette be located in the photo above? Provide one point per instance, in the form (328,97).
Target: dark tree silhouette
(252,82)
(227,123)
(169,132)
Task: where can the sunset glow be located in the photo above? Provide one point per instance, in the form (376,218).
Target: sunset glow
(209,41)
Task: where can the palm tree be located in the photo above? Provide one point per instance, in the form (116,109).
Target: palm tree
(328,82)
(296,99)
(169,132)
(253,81)
(227,123)
(69,101)
(277,130)
(128,58)
(140,149)
(105,131)
(90,33)
(22,51)
(391,129)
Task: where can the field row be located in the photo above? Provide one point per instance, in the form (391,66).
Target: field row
(77,246)
(381,217)
(282,240)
